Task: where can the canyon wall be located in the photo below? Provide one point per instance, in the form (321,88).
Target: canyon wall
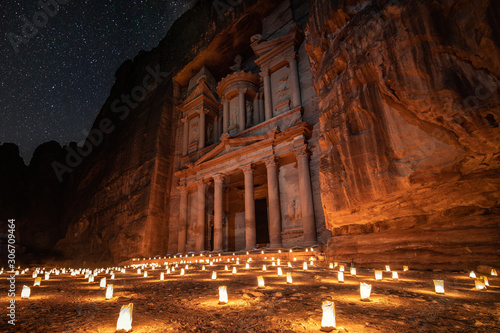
(409,110)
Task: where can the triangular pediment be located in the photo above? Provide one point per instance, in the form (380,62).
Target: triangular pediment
(228,145)
(262,47)
(201,90)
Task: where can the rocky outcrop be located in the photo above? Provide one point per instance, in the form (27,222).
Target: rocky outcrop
(34,197)
(409,105)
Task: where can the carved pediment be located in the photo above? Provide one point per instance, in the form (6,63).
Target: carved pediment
(228,145)
(202,93)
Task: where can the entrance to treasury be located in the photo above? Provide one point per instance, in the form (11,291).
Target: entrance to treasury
(261,222)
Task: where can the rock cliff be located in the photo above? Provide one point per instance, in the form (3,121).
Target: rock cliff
(409,109)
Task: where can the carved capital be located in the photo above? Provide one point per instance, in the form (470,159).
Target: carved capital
(291,57)
(182,187)
(265,73)
(242,90)
(203,110)
(184,120)
(247,169)
(271,161)
(301,152)
(219,178)
(202,183)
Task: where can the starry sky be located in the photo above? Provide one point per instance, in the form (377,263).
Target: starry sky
(55,77)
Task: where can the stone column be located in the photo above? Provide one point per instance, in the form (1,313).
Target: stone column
(185,136)
(183,213)
(295,82)
(250,232)
(306,196)
(200,226)
(218,210)
(256,109)
(268,94)
(273,193)
(225,116)
(262,108)
(242,108)
(201,130)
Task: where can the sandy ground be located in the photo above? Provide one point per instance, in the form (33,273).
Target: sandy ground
(189,303)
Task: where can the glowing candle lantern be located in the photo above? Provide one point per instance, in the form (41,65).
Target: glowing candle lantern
(280,273)
(439,286)
(214,275)
(290,250)
(226,268)
(211,263)
(145,274)
(378,275)
(237,261)
(26,292)
(387,268)
(91,278)
(341,268)
(261,252)
(103,283)
(278,262)
(47,275)
(353,271)
(340,277)
(187,267)
(247,266)
(485,279)
(173,269)
(290,264)
(168,270)
(38,281)
(34,275)
(289,278)
(109,291)
(260,282)
(304,267)
(125,318)
(203,268)
(365,290)
(182,271)
(472,275)
(162,276)
(294,259)
(273,264)
(311,263)
(494,272)
(395,275)
(112,276)
(328,320)
(405,268)
(307,250)
(234,270)
(138,271)
(331,265)
(223,295)
(479,284)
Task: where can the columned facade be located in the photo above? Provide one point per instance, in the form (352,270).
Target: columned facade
(248,133)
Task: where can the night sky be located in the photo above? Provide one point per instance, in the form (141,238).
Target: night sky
(53,87)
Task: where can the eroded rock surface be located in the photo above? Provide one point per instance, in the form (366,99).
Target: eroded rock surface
(409,103)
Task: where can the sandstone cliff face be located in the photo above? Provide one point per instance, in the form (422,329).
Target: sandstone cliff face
(409,110)
(33,197)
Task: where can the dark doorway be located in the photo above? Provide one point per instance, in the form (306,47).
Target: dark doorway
(261,223)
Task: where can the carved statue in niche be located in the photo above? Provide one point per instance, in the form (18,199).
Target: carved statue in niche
(237,64)
(282,92)
(249,112)
(194,133)
(293,210)
(235,115)
(210,131)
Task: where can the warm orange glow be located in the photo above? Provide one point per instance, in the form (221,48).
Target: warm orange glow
(125,318)
(328,321)
(260,281)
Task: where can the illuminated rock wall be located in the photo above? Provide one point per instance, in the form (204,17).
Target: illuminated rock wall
(409,110)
